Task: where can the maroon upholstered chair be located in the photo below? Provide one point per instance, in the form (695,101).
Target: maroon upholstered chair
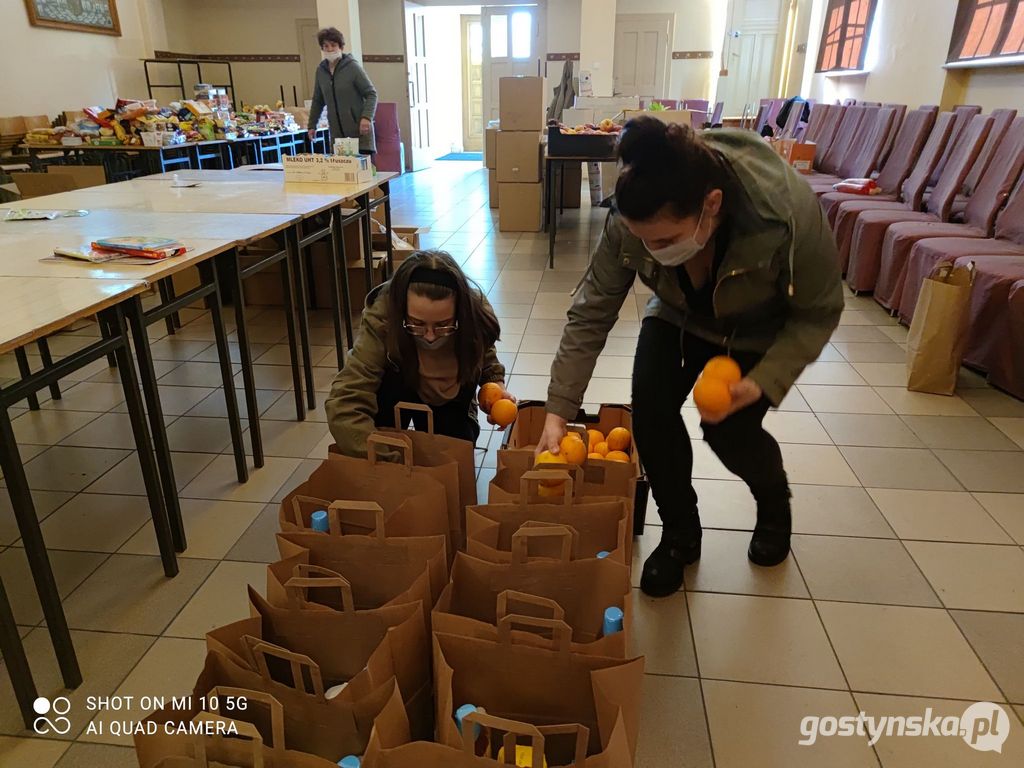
(792,121)
(897,123)
(980,216)
(829,162)
(821,115)
(911,193)
(701,105)
(716,116)
(1001,119)
(869,231)
(861,158)
(962,116)
(906,148)
(1007,371)
(1009,241)
(990,346)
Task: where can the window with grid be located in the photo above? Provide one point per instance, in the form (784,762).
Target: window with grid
(987,29)
(844,35)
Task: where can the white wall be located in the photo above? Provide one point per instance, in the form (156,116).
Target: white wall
(383,33)
(47,71)
(994,87)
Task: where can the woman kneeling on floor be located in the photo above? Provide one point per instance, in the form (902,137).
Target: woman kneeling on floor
(427,336)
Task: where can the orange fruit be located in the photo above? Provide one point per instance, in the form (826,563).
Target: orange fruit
(504,412)
(546,457)
(591,456)
(601,448)
(617,456)
(619,439)
(490,393)
(712,395)
(548,491)
(573,450)
(595,436)
(724,368)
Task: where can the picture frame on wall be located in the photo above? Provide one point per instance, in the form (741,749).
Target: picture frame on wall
(97,16)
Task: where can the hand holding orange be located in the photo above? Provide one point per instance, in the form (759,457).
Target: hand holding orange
(490,393)
(503,412)
(712,393)
(573,449)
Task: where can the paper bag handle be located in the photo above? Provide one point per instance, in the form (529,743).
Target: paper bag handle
(561,633)
(260,649)
(335,508)
(536,475)
(521,541)
(376,441)
(306,576)
(246,730)
(419,407)
(512,728)
(535,601)
(248,695)
(297,503)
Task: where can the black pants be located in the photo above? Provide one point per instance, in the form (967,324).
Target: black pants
(666,367)
(454,419)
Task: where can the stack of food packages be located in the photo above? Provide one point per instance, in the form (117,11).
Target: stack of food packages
(134,122)
(406,625)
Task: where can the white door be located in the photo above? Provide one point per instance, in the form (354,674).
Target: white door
(512,46)
(421,153)
(309,55)
(472,84)
(751,54)
(642,54)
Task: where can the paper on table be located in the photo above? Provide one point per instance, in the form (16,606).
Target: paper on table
(31,214)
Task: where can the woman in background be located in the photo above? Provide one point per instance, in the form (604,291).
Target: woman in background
(343,87)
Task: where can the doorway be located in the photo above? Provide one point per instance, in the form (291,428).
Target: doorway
(642,54)
(309,55)
(472,84)
(751,53)
(513,46)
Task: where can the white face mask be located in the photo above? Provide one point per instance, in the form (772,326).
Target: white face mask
(437,343)
(679,253)
(332,55)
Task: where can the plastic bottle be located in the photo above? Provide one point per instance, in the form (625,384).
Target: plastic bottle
(603,554)
(350,761)
(524,757)
(612,621)
(334,690)
(480,739)
(319,521)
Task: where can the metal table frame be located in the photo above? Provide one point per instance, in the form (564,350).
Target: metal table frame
(555,169)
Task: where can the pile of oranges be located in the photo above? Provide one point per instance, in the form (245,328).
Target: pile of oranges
(711,393)
(494,403)
(572,451)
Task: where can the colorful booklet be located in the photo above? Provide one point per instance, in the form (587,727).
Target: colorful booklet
(146,247)
(31,214)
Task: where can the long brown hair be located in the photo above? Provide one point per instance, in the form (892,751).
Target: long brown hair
(478,327)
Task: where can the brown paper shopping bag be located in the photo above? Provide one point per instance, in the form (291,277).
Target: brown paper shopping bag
(595,480)
(541,687)
(575,593)
(938,332)
(601,526)
(414,503)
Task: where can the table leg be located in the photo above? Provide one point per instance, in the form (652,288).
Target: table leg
(288,291)
(229,262)
(334,289)
(114,317)
(44,353)
(338,240)
(165,298)
(135,317)
(301,292)
(386,188)
(25,371)
(552,216)
(364,203)
(35,551)
(14,658)
(208,274)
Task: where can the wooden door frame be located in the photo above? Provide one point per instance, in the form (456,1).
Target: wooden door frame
(666,68)
(307,71)
(466,21)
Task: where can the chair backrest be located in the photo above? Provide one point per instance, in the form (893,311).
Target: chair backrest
(1001,119)
(914,186)
(849,102)
(796,111)
(906,148)
(816,122)
(762,118)
(39,184)
(1010,222)
(961,117)
(716,116)
(890,139)
(870,103)
(862,159)
(960,161)
(845,136)
(773,109)
(700,105)
(1005,166)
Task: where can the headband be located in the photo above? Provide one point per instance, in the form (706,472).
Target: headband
(434,277)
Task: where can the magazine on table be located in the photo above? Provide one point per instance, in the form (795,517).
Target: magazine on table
(120,250)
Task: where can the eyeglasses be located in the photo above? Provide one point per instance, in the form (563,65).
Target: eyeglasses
(421,330)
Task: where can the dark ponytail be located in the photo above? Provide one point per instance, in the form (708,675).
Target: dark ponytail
(665,165)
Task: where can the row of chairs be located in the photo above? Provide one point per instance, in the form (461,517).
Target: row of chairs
(952,190)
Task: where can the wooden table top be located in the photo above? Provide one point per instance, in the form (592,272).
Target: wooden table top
(21,257)
(33,307)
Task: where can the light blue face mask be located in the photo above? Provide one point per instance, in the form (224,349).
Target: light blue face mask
(681,252)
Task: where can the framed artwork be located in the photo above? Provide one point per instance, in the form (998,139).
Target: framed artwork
(99,16)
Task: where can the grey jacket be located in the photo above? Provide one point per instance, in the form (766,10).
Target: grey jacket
(778,291)
(349,96)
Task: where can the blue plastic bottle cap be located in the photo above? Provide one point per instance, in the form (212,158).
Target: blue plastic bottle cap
(602,555)
(612,620)
(319,521)
(460,715)
(350,761)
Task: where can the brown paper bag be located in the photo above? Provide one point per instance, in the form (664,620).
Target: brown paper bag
(540,687)
(601,526)
(574,593)
(414,503)
(601,480)
(938,332)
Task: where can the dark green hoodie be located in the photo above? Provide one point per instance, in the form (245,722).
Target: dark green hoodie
(778,290)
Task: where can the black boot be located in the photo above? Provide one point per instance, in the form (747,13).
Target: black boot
(770,543)
(663,570)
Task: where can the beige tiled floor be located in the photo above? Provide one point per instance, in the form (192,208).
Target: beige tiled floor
(905,588)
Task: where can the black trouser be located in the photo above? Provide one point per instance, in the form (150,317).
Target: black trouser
(454,419)
(666,367)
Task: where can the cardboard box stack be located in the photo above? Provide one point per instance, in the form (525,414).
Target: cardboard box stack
(491,161)
(518,151)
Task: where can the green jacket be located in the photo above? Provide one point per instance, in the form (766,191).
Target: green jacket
(778,290)
(352,405)
(349,96)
